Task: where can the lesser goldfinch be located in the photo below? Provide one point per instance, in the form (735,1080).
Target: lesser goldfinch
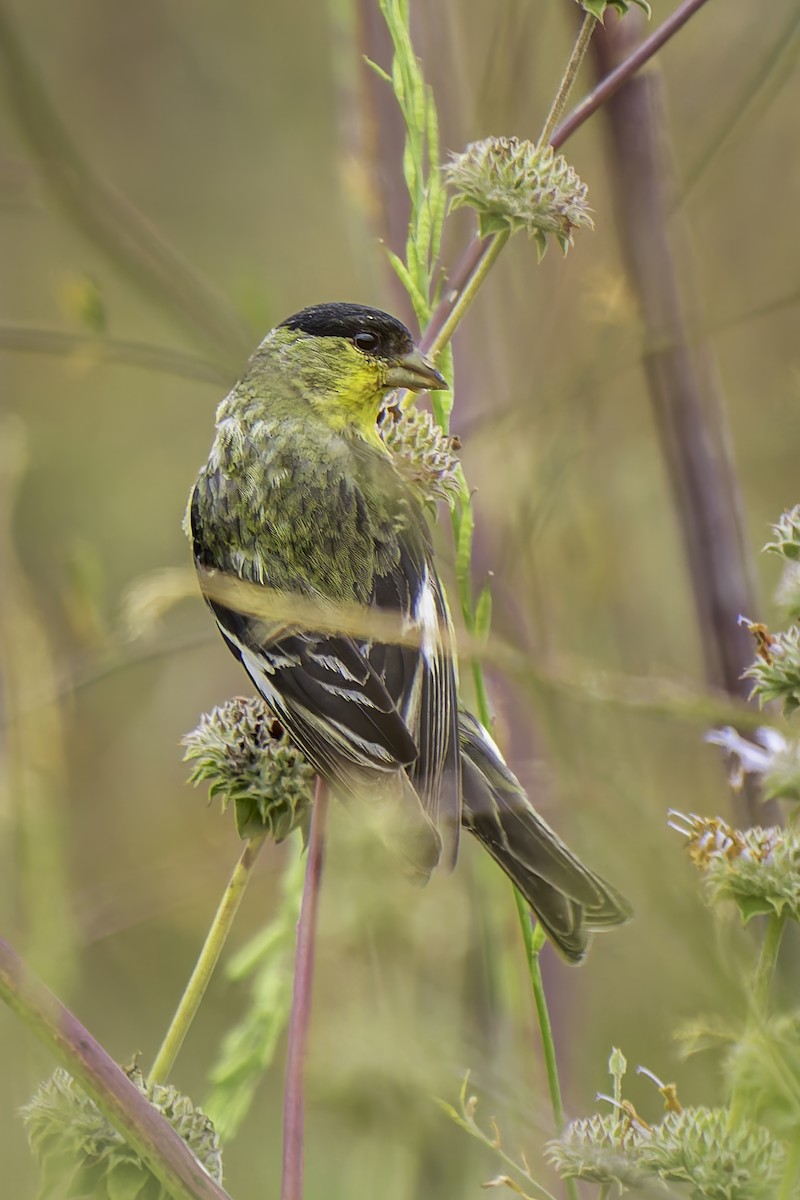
(300,494)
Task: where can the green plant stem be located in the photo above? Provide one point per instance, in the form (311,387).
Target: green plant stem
(207,961)
(765,970)
(791,1172)
(568,79)
(479,247)
(442,335)
(139,1123)
(533,940)
(614,80)
(767,962)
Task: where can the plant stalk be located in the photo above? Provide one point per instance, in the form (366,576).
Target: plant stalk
(164,1152)
(294,1089)
(767,963)
(568,79)
(479,247)
(434,340)
(207,961)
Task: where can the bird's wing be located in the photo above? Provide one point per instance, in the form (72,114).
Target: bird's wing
(422,682)
(360,703)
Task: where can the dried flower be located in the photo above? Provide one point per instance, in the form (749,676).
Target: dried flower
(757,868)
(83,1157)
(242,751)
(516,185)
(422,452)
(777,670)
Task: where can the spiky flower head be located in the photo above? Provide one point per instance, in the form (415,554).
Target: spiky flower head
(599,1149)
(515,185)
(422,452)
(776,670)
(84,1158)
(757,868)
(701,1147)
(245,756)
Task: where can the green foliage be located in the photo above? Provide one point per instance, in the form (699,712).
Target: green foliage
(597,8)
(248,1048)
(419,273)
(82,1157)
(420,164)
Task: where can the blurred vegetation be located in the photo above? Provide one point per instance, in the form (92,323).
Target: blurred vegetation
(263,157)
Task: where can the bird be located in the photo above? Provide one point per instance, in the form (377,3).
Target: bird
(301,495)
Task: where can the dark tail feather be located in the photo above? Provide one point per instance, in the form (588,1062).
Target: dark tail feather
(567,898)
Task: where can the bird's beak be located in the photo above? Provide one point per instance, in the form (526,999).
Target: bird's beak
(415,372)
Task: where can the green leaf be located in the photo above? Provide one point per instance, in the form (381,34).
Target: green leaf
(401,270)
(385,76)
(483,613)
(755,906)
(597,8)
(126,1181)
(489,222)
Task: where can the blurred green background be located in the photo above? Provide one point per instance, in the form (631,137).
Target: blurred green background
(265,155)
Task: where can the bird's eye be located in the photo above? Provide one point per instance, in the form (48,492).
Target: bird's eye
(366,341)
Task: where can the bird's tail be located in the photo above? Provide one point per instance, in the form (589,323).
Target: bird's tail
(568,899)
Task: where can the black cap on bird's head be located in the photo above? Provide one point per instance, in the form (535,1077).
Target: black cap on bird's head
(376,334)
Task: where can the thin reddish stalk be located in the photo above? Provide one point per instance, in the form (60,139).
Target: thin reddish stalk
(614,80)
(479,247)
(294,1090)
(142,1126)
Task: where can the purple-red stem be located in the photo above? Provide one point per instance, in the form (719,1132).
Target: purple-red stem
(478,247)
(294,1090)
(132,1115)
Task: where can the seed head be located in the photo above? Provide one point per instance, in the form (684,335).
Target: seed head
(514,185)
(422,452)
(84,1156)
(245,756)
(757,868)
